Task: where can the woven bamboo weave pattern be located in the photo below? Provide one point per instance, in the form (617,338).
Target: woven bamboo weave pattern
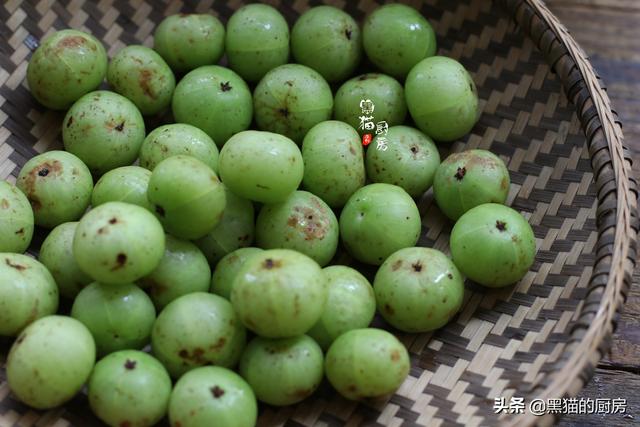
(544,113)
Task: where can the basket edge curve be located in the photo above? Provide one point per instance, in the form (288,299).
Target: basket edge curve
(617,215)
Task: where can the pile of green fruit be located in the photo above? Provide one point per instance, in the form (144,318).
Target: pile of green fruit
(164,255)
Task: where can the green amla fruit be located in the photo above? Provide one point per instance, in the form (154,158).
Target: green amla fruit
(16,219)
(126,184)
(418,289)
(282,371)
(366,363)
(58,185)
(212,393)
(56,253)
(67,64)
(279,293)
(227,270)
(129,388)
(142,76)
(468,179)
(493,245)
(50,361)
(104,129)
(27,292)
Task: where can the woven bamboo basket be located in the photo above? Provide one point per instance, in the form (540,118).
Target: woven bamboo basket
(545,112)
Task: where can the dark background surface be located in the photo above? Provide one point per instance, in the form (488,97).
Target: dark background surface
(609,32)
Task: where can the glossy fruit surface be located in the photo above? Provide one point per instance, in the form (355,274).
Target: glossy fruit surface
(16,219)
(227,269)
(126,184)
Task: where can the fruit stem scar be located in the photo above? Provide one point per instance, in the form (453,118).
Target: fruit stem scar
(347,33)
(225,86)
(417,267)
(43,172)
(130,364)
(460,173)
(501,225)
(216,391)
(120,127)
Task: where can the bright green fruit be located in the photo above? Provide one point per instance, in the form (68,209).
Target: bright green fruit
(187,196)
(468,179)
(378,220)
(178,138)
(351,304)
(56,253)
(493,245)
(129,388)
(127,184)
(282,371)
(141,75)
(418,289)
(119,317)
(212,393)
(27,292)
(66,65)
(214,99)
(290,100)
(396,37)
(261,166)
(118,243)
(58,185)
(50,361)
(375,96)
(303,222)
(16,219)
(227,269)
(257,41)
(328,40)
(333,162)
(366,363)
(182,270)
(410,160)
(442,98)
(235,229)
(279,293)
(195,330)
(188,41)
(104,129)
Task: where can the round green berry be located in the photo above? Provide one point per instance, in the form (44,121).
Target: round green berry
(16,219)
(126,184)
(227,270)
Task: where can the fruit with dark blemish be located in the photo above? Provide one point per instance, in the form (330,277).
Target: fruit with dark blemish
(422,294)
(350,305)
(227,269)
(386,94)
(129,387)
(257,41)
(106,132)
(66,65)
(56,253)
(200,100)
(235,229)
(127,184)
(118,316)
(366,363)
(16,219)
(396,37)
(50,361)
(493,245)
(291,99)
(410,160)
(333,162)
(195,330)
(257,166)
(27,292)
(182,270)
(190,194)
(378,220)
(328,40)
(141,75)
(282,371)
(442,98)
(99,243)
(279,293)
(212,393)
(303,222)
(188,41)
(470,178)
(58,186)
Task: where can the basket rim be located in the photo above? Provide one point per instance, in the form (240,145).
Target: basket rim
(617,220)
